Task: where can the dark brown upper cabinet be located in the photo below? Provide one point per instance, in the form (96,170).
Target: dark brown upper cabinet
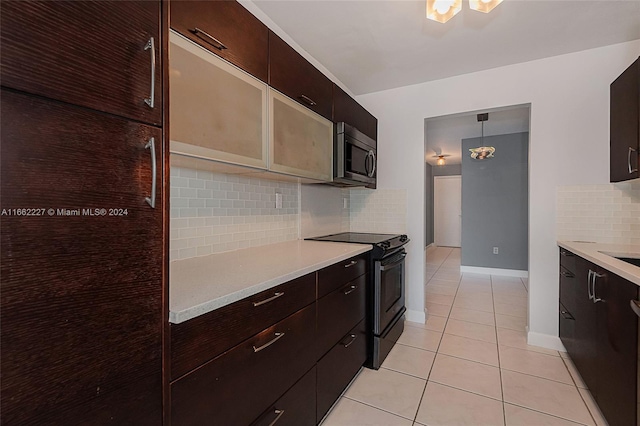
(346,109)
(99,56)
(624,127)
(295,77)
(227,29)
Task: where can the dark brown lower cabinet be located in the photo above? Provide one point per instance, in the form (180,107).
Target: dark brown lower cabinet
(81,291)
(339,366)
(601,337)
(297,407)
(238,386)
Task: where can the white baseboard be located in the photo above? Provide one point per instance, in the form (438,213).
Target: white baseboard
(415,316)
(545,341)
(430,245)
(495,271)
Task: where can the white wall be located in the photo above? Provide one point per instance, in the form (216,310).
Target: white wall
(569,143)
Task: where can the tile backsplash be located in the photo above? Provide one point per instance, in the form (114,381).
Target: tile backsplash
(608,213)
(380,211)
(214,212)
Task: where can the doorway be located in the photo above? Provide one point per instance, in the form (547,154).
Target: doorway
(447,206)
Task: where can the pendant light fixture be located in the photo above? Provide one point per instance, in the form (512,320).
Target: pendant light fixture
(482,152)
(443,10)
(441,161)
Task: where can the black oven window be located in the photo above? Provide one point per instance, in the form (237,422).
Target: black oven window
(392,287)
(356,159)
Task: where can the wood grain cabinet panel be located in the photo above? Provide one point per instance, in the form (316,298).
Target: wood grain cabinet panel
(202,338)
(214,24)
(89,53)
(339,311)
(625,125)
(81,293)
(297,407)
(294,76)
(346,109)
(337,275)
(236,387)
(217,111)
(339,366)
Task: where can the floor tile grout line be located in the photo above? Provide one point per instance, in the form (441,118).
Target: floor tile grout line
(545,413)
(466,390)
(564,361)
(378,408)
(495,320)
(539,377)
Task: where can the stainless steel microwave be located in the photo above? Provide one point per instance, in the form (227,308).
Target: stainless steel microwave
(354,157)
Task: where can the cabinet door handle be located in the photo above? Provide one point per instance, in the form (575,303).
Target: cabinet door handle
(635,305)
(307,100)
(209,38)
(274,297)
(566,315)
(150,101)
(350,264)
(279,413)
(595,277)
(351,289)
(269,343)
(567,274)
(152,146)
(566,253)
(631,150)
(589,284)
(352,338)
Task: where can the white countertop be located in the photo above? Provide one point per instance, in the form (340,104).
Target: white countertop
(593,252)
(202,284)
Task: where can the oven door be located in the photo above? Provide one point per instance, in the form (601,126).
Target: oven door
(388,290)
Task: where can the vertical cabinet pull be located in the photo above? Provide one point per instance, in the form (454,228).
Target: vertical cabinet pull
(596,299)
(631,151)
(589,281)
(152,146)
(152,94)
(209,38)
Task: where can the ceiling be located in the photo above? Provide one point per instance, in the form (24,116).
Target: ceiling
(376,45)
(443,135)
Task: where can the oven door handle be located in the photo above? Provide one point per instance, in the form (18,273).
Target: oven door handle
(394,264)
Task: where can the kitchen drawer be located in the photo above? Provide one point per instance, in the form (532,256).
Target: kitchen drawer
(568,288)
(236,387)
(295,77)
(297,407)
(341,273)
(568,260)
(567,328)
(202,338)
(214,24)
(339,311)
(92,54)
(339,366)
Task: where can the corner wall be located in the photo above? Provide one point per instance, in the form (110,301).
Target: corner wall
(569,145)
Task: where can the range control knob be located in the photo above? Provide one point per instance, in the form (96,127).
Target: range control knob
(385,244)
(403,238)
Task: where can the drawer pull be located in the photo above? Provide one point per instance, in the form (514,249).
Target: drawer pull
(266,345)
(351,289)
(566,315)
(274,297)
(350,264)
(209,38)
(566,253)
(307,100)
(567,274)
(279,414)
(352,338)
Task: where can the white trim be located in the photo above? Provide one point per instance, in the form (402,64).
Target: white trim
(545,341)
(495,271)
(416,316)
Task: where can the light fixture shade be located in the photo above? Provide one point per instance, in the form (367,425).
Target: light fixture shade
(443,10)
(485,6)
(441,160)
(482,152)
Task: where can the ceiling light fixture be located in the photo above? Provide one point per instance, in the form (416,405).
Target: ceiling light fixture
(441,160)
(443,10)
(482,152)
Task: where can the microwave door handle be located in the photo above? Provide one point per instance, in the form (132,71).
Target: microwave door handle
(373,163)
(366,163)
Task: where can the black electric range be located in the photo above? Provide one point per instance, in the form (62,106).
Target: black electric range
(386,292)
(383,244)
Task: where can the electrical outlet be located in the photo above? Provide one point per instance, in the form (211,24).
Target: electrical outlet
(278,200)
(495,250)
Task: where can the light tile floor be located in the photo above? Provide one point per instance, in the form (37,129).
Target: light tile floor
(469,364)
